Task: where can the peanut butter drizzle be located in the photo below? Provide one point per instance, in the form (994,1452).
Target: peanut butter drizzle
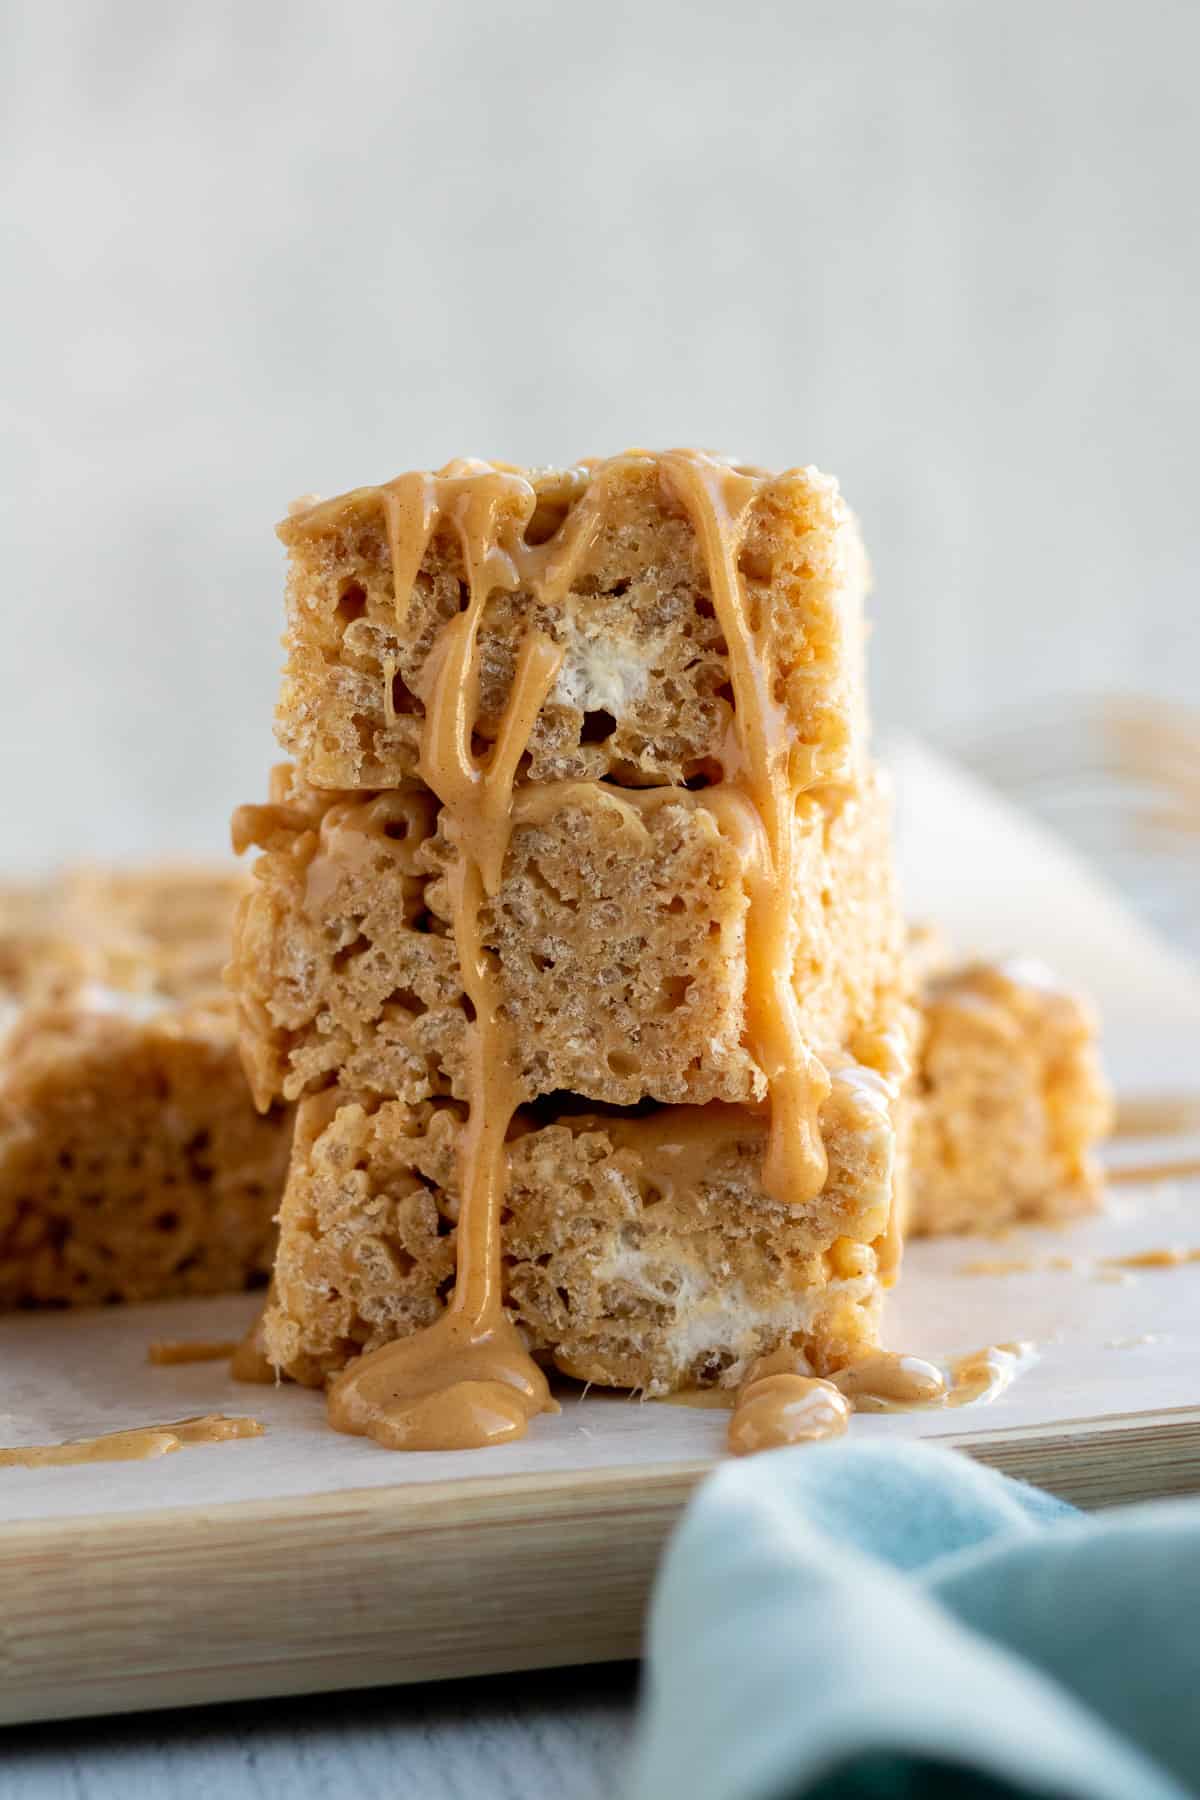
(883,1056)
(249,1360)
(889,1381)
(770,1407)
(983,1375)
(777,1410)
(167,1352)
(136,1445)
(1184,1169)
(719,499)
(1172,1113)
(1170,1256)
(678,1146)
(997,1265)
(467,1380)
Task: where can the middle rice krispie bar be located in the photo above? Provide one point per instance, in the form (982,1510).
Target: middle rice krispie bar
(618,932)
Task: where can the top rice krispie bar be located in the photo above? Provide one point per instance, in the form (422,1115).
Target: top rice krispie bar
(644,693)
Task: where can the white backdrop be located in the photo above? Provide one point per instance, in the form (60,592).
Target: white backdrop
(947,250)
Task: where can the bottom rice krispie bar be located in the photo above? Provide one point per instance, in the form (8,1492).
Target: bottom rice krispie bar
(640,1248)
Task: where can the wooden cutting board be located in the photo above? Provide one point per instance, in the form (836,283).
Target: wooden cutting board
(303,1561)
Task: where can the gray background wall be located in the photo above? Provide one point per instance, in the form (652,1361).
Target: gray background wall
(948,251)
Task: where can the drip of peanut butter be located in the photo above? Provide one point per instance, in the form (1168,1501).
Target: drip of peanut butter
(776,1404)
(983,1375)
(777,1410)
(888,1381)
(136,1445)
(997,1265)
(719,501)
(249,1360)
(1168,1256)
(1183,1169)
(677,1146)
(885,1054)
(468,1380)
(1172,1113)
(168,1352)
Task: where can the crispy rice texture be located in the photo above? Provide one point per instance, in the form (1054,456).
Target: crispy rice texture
(618,931)
(644,695)
(615,1270)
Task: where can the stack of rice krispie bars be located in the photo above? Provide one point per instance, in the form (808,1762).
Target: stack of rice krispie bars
(133,1164)
(573,954)
(574,932)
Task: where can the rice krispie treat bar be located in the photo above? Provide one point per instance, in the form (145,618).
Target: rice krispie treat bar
(581,818)
(605,559)
(1009,1103)
(618,933)
(133,1164)
(640,1248)
(161,930)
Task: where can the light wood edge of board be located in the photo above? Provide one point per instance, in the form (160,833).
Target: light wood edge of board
(388,1585)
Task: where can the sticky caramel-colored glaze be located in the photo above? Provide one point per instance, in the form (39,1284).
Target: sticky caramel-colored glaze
(1170,1256)
(1154,1118)
(984,1375)
(778,1410)
(997,1265)
(455,1386)
(677,1146)
(249,1361)
(887,1381)
(885,1054)
(785,1359)
(467,1380)
(137,1445)
(167,1352)
(1184,1169)
(719,501)
(779,1403)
